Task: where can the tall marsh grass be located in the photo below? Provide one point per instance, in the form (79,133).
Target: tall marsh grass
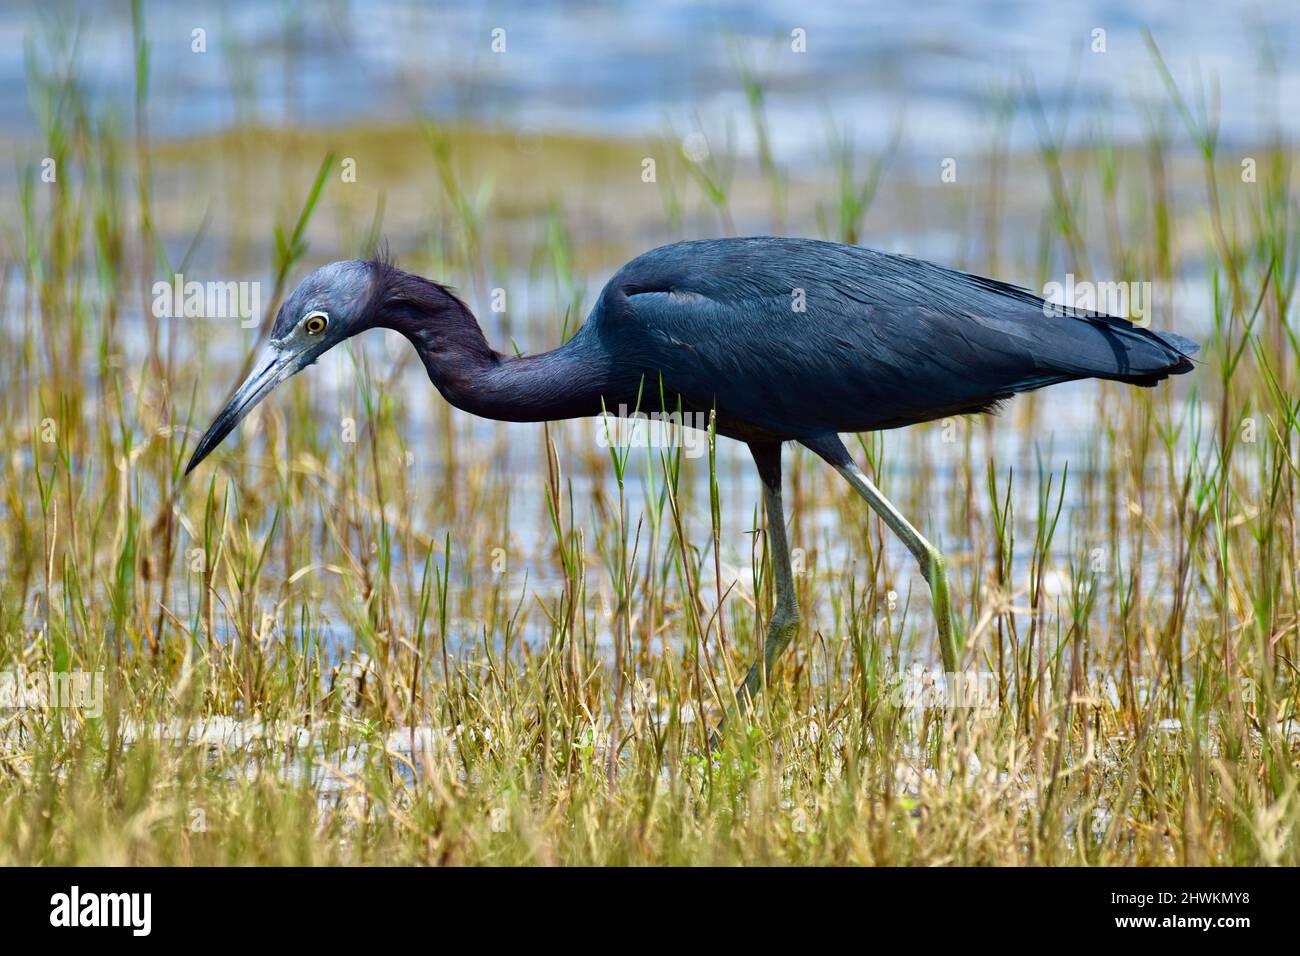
(428,640)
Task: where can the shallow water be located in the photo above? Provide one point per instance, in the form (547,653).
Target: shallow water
(628,68)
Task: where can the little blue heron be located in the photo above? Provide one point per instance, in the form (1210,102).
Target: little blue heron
(781,339)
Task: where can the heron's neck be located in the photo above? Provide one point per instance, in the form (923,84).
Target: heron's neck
(563,383)
(567,382)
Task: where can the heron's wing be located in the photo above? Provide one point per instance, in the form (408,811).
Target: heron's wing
(803,337)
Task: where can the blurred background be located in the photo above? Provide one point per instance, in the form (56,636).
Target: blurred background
(622,69)
(449,572)
(573,92)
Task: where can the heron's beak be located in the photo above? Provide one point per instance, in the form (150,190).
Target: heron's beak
(273,366)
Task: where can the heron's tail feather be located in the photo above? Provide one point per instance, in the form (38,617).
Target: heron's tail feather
(1103,347)
(1181,343)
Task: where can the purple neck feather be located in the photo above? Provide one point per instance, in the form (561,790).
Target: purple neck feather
(567,382)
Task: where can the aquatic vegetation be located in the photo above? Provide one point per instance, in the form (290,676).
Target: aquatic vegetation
(378,631)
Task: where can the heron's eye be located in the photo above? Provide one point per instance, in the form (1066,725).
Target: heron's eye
(316,322)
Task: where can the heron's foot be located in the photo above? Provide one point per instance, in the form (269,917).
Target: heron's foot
(781,630)
(936,575)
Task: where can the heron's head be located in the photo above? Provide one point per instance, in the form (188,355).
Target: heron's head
(333,303)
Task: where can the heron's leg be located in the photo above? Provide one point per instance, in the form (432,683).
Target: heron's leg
(784,623)
(933,567)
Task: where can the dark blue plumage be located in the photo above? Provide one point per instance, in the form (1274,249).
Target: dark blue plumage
(788,339)
(883,341)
